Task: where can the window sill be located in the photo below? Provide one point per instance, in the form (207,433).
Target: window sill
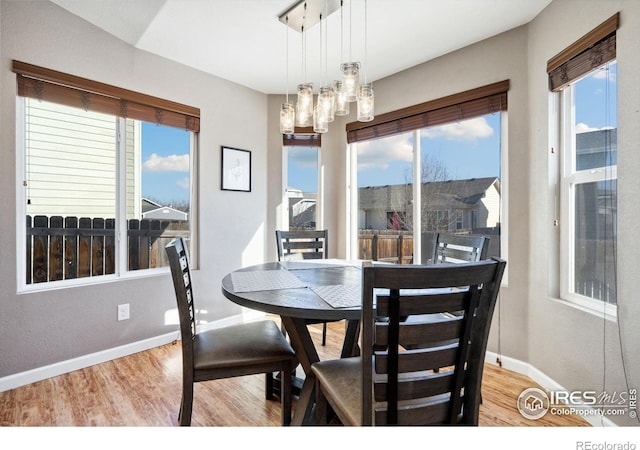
(91,281)
(595,308)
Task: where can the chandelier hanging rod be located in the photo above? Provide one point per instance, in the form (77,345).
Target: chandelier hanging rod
(306,13)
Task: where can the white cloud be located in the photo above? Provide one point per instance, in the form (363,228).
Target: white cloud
(584,128)
(169,163)
(305,156)
(602,74)
(378,153)
(466,130)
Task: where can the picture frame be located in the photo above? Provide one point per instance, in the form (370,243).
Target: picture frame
(235,169)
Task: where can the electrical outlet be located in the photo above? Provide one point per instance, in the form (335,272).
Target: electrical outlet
(123,312)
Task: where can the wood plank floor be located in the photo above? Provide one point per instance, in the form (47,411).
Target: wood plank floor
(144,389)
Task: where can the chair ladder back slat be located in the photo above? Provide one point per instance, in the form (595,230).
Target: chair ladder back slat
(420,332)
(427,386)
(420,360)
(424,304)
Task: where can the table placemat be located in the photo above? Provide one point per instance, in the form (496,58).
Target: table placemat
(264,280)
(302,265)
(340,295)
(298,264)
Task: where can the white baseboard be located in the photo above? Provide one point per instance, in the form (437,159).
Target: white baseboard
(543,380)
(62,367)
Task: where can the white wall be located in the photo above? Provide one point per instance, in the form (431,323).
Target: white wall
(38,329)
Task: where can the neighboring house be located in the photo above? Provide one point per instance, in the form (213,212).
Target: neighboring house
(446,205)
(596,148)
(153,210)
(68,178)
(302,208)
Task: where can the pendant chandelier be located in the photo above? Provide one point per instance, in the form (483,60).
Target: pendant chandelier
(333,99)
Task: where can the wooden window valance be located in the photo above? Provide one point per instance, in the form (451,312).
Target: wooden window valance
(302,137)
(58,87)
(588,53)
(461,106)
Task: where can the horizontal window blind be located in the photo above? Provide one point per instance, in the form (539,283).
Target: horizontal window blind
(588,53)
(302,137)
(461,106)
(53,86)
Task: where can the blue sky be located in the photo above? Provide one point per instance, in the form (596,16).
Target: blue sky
(165,164)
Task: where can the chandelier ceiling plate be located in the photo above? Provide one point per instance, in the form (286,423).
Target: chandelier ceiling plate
(306,13)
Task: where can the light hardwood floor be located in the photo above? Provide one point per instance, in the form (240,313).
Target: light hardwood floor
(144,389)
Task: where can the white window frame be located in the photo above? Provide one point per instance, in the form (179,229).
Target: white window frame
(569,179)
(121,270)
(351,162)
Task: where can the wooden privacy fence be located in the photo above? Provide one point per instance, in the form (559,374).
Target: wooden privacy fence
(62,248)
(391,246)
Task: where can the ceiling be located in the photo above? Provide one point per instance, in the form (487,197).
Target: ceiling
(244,41)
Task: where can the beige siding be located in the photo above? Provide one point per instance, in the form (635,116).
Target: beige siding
(133,183)
(71,161)
(491,202)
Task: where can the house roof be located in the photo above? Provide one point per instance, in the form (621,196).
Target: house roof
(451,193)
(149,205)
(597,141)
(153,210)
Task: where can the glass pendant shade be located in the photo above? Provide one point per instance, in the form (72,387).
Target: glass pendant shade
(287,118)
(350,80)
(326,103)
(365,103)
(320,124)
(341,107)
(304,106)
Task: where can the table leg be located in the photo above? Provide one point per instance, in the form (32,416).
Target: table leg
(350,345)
(307,355)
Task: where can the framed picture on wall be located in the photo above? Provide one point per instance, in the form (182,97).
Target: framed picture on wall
(236,169)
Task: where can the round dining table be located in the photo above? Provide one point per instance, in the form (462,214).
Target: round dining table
(297,291)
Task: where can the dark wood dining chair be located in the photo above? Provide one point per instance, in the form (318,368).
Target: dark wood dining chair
(454,248)
(236,350)
(433,385)
(304,244)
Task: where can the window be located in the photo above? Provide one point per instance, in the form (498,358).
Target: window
(588,169)
(589,187)
(458,163)
(302,187)
(459,220)
(103,193)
